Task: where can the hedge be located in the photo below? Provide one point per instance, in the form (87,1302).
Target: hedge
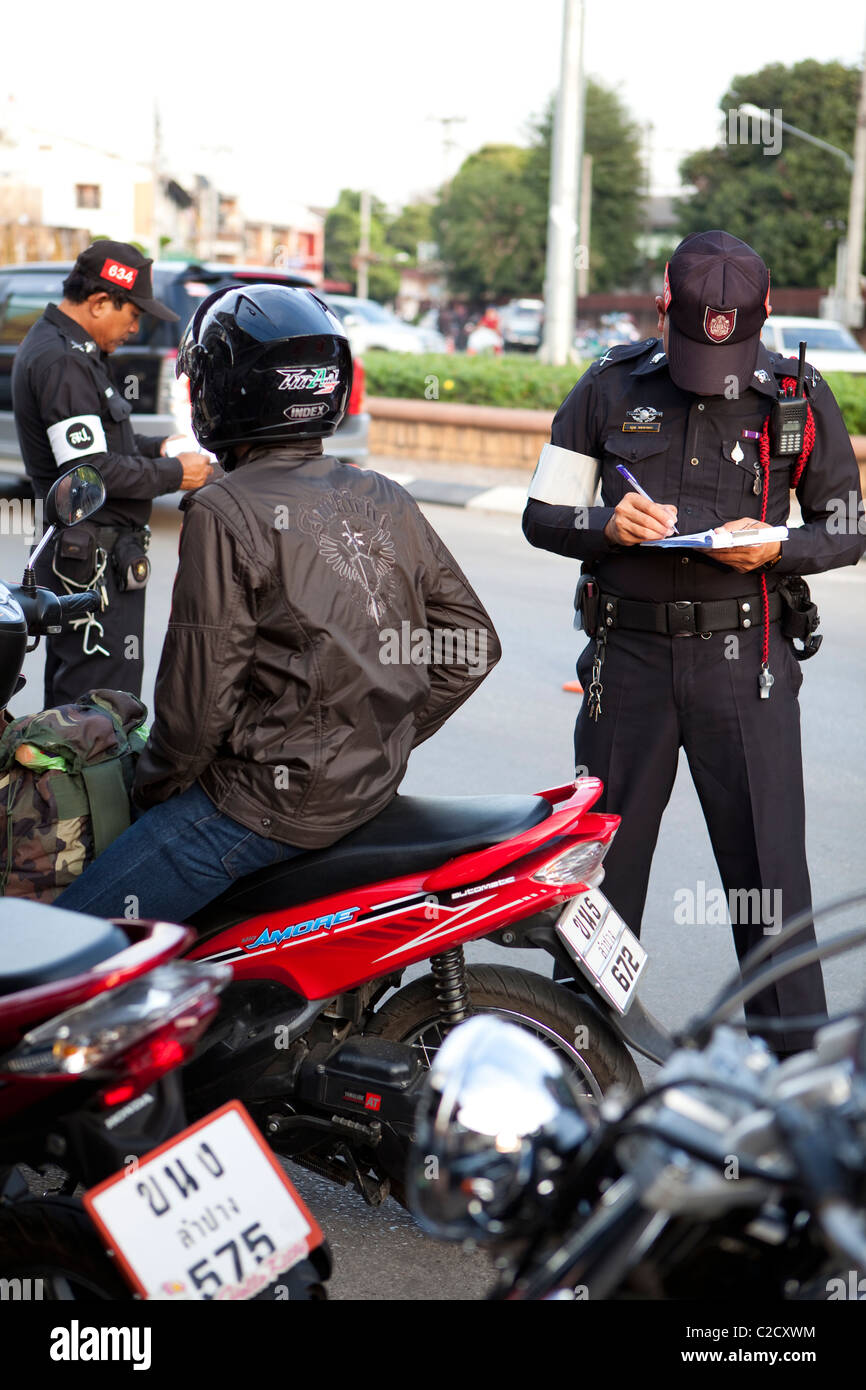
(524,382)
(515,381)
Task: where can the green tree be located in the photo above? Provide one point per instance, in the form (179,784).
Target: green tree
(342,235)
(491,222)
(791,206)
(490,226)
(403,232)
(613,141)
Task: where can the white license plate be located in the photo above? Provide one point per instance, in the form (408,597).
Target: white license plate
(602,945)
(209,1215)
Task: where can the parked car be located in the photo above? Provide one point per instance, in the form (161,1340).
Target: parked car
(372,327)
(434,341)
(830,346)
(520,324)
(145,367)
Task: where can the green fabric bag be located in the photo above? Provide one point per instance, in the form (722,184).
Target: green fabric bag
(65,781)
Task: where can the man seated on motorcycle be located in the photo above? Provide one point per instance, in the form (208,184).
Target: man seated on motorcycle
(288,697)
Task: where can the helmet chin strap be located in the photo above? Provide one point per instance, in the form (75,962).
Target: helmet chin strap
(228,461)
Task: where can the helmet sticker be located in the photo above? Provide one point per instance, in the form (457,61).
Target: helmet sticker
(313,411)
(320,380)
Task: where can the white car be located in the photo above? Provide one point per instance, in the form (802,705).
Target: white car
(830,346)
(521,324)
(370,327)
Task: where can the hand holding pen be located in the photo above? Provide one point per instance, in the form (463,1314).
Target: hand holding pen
(638,518)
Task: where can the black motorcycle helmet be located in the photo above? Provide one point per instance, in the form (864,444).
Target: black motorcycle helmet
(265,364)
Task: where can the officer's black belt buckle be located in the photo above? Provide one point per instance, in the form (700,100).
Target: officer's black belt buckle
(681,618)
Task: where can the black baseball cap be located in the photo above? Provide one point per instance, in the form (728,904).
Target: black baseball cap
(717,296)
(121,267)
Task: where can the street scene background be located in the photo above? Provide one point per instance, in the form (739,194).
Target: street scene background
(485,220)
(515,735)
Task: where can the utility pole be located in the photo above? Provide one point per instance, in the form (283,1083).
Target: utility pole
(584,228)
(448,143)
(363,257)
(856,213)
(155,228)
(565,166)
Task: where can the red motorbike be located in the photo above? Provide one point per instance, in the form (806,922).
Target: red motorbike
(329,1067)
(96,1018)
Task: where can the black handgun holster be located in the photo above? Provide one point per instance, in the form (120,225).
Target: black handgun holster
(586,602)
(799,616)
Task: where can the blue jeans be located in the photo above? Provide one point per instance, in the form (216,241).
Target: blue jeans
(174,858)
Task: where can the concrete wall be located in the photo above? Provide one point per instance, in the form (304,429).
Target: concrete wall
(477,434)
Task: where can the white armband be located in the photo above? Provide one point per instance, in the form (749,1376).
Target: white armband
(565,478)
(73,438)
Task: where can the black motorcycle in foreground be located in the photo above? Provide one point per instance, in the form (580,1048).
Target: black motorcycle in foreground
(734,1176)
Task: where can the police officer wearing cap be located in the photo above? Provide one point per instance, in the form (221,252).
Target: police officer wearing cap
(68,409)
(690,647)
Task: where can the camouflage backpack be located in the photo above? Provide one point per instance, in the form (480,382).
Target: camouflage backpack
(65,780)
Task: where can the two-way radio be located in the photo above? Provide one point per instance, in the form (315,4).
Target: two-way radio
(789,415)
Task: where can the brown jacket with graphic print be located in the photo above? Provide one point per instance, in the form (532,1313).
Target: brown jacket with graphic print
(319,631)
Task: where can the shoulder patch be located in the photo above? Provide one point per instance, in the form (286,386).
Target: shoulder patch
(624,352)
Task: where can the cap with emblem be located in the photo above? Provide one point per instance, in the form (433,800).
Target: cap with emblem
(717,296)
(120,267)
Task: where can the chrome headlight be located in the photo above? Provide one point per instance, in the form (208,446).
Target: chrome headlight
(497,1121)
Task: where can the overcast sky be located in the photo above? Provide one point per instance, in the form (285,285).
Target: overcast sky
(299,100)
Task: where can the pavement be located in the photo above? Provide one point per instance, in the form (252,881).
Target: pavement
(458,485)
(515,736)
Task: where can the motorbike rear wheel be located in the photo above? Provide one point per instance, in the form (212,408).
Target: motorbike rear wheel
(572,1028)
(52,1243)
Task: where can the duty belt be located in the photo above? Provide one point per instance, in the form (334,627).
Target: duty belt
(684,619)
(107,536)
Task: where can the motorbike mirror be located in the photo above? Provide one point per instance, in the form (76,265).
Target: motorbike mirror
(72,498)
(497,1119)
(75,496)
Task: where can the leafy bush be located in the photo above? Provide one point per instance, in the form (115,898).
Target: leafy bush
(850,392)
(525,383)
(515,381)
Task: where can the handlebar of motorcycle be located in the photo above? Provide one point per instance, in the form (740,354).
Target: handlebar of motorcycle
(74,606)
(46,612)
(841,1222)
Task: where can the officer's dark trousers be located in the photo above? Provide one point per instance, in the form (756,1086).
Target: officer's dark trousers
(69,671)
(661,693)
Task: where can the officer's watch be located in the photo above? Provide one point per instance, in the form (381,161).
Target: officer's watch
(771,564)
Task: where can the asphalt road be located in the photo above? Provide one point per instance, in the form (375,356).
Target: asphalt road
(514,735)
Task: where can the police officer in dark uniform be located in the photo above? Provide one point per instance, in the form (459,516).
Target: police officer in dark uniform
(688,646)
(67,409)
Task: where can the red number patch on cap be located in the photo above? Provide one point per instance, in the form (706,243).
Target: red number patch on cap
(121,274)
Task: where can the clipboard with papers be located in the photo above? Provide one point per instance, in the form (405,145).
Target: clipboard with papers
(722,540)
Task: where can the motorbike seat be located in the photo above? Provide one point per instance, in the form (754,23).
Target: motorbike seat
(40,944)
(413,834)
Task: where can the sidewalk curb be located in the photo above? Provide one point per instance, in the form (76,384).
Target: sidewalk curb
(502,498)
